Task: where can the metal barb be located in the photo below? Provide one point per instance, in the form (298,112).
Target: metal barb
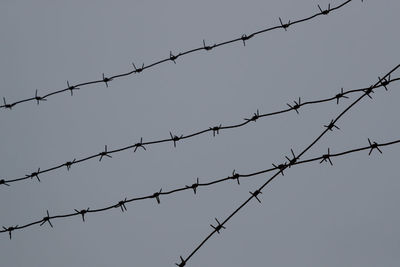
(340,95)
(284,26)
(46,219)
(9,106)
(183,262)
(245,38)
(137,145)
(293,160)
(206,47)
(38,98)
(326,158)
(72,88)
(106,80)
(194,186)
(373,145)
(255,117)
(216,129)
(218,227)
(369,90)
(82,213)
(385,82)
(138,70)
(255,194)
(121,204)
(331,125)
(68,164)
(296,105)
(326,11)
(156,195)
(104,153)
(281,167)
(10,229)
(172,57)
(175,138)
(34,174)
(2,181)
(235,176)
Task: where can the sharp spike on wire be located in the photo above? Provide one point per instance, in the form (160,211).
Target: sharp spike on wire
(172,57)
(156,195)
(373,145)
(326,11)
(215,129)
(72,88)
(104,153)
(47,219)
(218,227)
(38,98)
(284,26)
(82,213)
(182,263)
(3,182)
(235,176)
(137,145)
(326,158)
(106,80)
(194,186)
(68,164)
(255,195)
(331,125)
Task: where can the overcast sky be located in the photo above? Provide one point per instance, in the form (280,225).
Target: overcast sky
(315,215)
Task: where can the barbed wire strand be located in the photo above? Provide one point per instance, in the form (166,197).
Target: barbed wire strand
(106,80)
(174,138)
(282,167)
(235,176)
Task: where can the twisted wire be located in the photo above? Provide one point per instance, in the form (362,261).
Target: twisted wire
(215,131)
(281,167)
(195,186)
(172,58)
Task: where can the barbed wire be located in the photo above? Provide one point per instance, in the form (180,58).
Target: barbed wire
(281,167)
(195,186)
(215,131)
(172,58)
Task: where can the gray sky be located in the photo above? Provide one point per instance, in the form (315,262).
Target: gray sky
(315,215)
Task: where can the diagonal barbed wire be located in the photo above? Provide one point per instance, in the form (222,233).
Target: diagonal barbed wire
(285,165)
(215,131)
(235,176)
(172,58)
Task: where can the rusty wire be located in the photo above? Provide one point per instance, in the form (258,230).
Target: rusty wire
(172,58)
(215,131)
(285,165)
(121,204)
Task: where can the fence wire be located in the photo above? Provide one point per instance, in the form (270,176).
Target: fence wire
(172,58)
(215,130)
(255,195)
(121,204)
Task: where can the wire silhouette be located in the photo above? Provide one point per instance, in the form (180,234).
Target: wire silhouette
(121,204)
(106,80)
(215,131)
(281,167)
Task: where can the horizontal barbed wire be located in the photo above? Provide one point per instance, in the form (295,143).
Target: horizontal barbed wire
(235,176)
(215,130)
(329,127)
(106,80)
